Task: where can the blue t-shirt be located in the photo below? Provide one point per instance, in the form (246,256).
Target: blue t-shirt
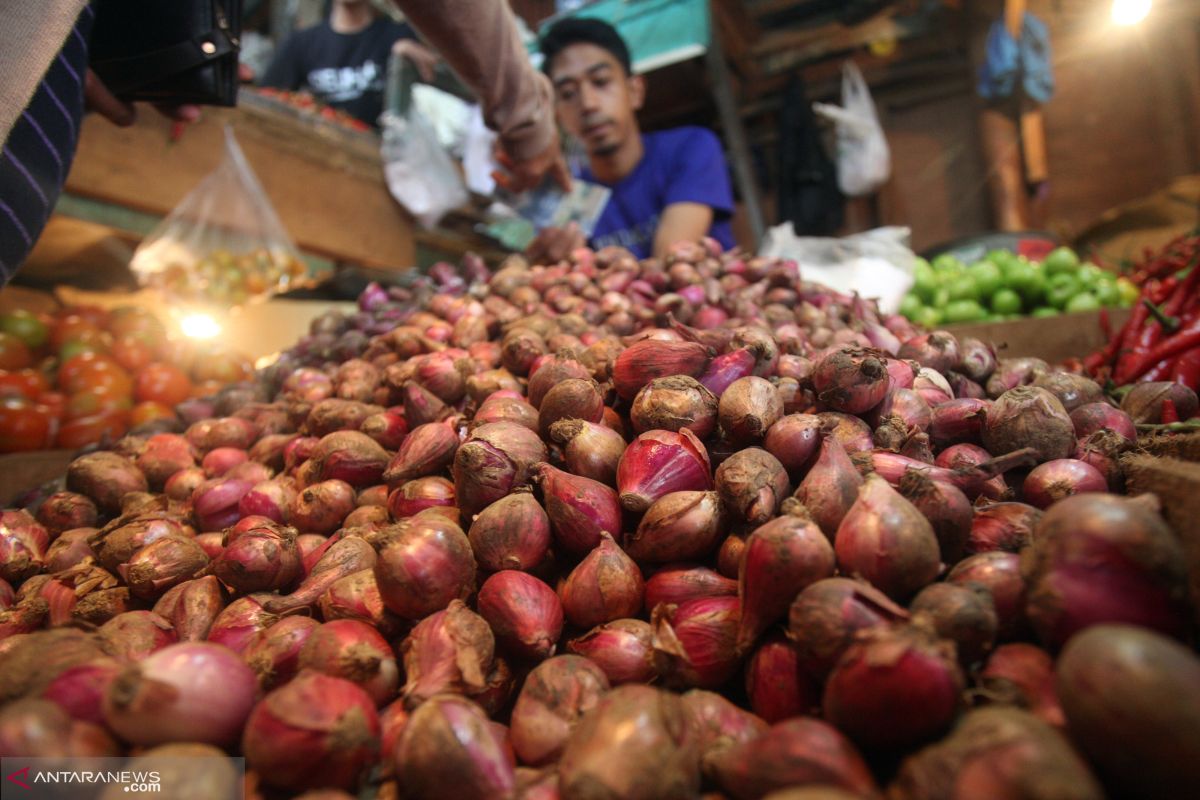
(681,165)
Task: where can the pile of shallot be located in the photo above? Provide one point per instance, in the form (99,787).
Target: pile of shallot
(618,529)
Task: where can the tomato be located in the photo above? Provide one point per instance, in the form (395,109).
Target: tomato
(224,366)
(148,412)
(133,320)
(178,352)
(26,326)
(70,328)
(27,383)
(72,371)
(162,383)
(94,401)
(55,403)
(110,425)
(23,426)
(14,353)
(132,352)
(99,317)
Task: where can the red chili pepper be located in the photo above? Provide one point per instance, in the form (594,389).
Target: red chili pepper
(1105,324)
(1187,338)
(1169,412)
(1159,372)
(1186,369)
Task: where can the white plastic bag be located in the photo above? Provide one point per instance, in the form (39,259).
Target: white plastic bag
(863,159)
(877,264)
(223,244)
(419,173)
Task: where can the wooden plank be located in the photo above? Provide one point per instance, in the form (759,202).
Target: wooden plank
(332,199)
(1054,339)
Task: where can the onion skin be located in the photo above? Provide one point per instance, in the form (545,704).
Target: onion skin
(344,557)
(752,484)
(274,654)
(524,613)
(426,450)
(695,642)
(851,380)
(1002,526)
(192,607)
(105,477)
(23,543)
(448,741)
(958,421)
(1132,702)
(938,350)
(589,450)
(40,729)
(830,488)
(134,635)
(1029,417)
(678,526)
(1092,417)
(1071,390)
(893,688)
(414,496)
(355,651)
(826,618)
(644,730)
(187,692)
(1022,675)
(623,649)
(556,694)
(1049,482)
(660,462)
(320,508)
(448,651)
(580,509)
(718,725)
(605,586)
(1144,403)
(314,731)
(642,362)
(1098,558)
(1000,574)
(571,399)
(775,683)
(795,440)
(795,752)
(423,564)
(948,510)
(748,409)
(781,559)
(964,615)
(512,533)
(672,403)
(240,621)
(886,540)
(496,459)
(63,511)
(676,583)
(263,558)
(997,752)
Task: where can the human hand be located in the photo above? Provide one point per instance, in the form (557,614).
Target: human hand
(552,245)
(424,59)
(97,97)
(522,174)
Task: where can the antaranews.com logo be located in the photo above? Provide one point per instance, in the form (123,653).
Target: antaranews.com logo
(130,780)
(161,772)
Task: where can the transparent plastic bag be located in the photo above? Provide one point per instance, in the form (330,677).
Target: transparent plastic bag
(419,173)
(223,244)
(864,161)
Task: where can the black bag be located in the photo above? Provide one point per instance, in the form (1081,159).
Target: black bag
(172,51)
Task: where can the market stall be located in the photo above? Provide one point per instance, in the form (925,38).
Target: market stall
(825,520)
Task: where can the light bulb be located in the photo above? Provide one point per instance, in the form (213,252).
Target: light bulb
(199,326)
(1130,12)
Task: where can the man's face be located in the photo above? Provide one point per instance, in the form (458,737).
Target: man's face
(596,100)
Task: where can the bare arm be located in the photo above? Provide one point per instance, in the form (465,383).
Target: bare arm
(681,222)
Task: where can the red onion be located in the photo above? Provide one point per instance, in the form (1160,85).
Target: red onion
(308,384)
(191,608)
(938,350)
(884,539)
(676,583)
(1002,526)
(781,558)
(775,683)
(966,456)
(448,651)
(519,349)
(269,450)
(557,693)
(794,440)
(644,730)
(644,361)
(133,635)
(1098,558)
(1092,417)
(606,585)
(215,502)
(796,752)
(552,370)
(22,618)
(826,617)
(964,387)
(1103,450)
(831,487)
(963,615)
(184,483)
(958,421)
(23,543)
(392,721)
(350,456)
(718,725)
(525,614)
(976,359)
(933,387)
(1022,675)
(356,596)
(312,546)
(40,729)
(892,468)
(314,731)
(321,507)
(423,564)
(426,450)
(997,752)
(222,459)
(752,484)
(852,433)
(894,688)
(497,408)
(162,564)
(1071,390)
(724,370)
(580,509)
(272,499)
(1053,480)
(240,621)
(416,495)
(622,648)
(105,478)
(187,692)
(64,511)
(260,559)
(901,373)
(7,596)
(571,399)
(589,450)
(729,555)
(299,450)
(209,434)
(347,648)
(511,533)
(344,557)
(1000,574)
(1120,673)
(660,462)
(164,455)
(672,403)
(496,459)
(336,414)
(79,690)
(748,409)
(695,642)
(389,429)
(70,548)
(1029,417)
(679,525)
(448,741)
(850,379)
(948,510)
(274,653)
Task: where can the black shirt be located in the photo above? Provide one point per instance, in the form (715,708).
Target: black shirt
(343,70)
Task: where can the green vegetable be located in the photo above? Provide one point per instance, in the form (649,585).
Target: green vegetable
(1061,260)
(1084,301)
(963,311)
(1006,301)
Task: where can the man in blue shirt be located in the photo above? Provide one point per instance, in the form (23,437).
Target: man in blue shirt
(667,186)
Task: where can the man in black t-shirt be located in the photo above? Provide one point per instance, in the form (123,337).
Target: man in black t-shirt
(343,62)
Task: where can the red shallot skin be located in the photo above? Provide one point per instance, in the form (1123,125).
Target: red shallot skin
(1000,574)
(938,350)
(1004,526)
(589,450)
(948,510)
(1022,675)
(660,462)
(1099,558)
(752,484)
(644,730)
(354,650)
(448,741)
(696,642)
(23,543)
(678,526)
(274,653)
(675,583)
(776,684)
(830,488)
(605,586)
(851,380)
(64,511)
(580,509)
(623,649)
(795,440)
(512,533)
(1028,416)
(672,403)
(525,614)
(795,752)
(718,725)
(1093,417)
(642,362)
(424,563)
(827,617)
(894,688)
(1049,482)
(965,615)
(555,695)
(449,651)
(496,459)
(748,409)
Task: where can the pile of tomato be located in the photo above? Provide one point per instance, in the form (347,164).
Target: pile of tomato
(84,374)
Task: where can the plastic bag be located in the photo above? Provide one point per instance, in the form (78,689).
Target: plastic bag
(223,244)
(419,173)
(863,158)
(877,264)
